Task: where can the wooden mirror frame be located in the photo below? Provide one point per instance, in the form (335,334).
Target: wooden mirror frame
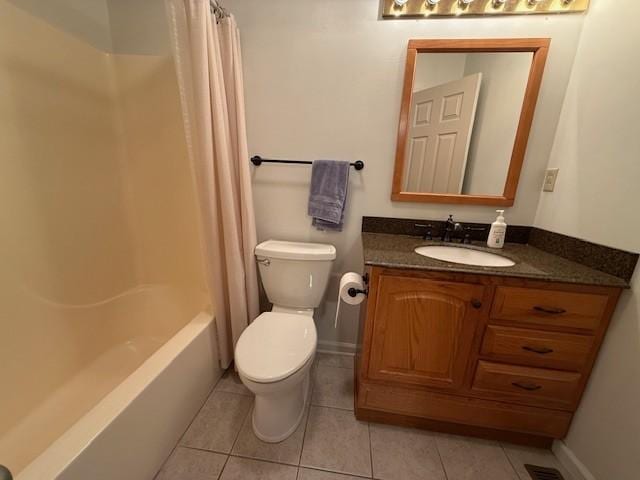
(539,47)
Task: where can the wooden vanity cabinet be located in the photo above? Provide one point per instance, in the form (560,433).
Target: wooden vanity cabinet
(492,356)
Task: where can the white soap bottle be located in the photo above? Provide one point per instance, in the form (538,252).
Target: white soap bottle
(498,231)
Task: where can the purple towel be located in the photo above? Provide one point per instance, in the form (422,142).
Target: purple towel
(328,194)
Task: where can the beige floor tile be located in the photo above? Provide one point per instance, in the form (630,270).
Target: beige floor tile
(188,464)
(404,453)
(309,474)
(332,387)
(331,360)
(217,425)
(519,455)
(231,383)
(246,469)
(336,441)
(287,451)
(473,459)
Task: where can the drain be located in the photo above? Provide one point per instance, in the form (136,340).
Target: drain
(543,473)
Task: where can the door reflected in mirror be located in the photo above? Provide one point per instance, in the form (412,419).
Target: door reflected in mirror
(463,120)
(466,113)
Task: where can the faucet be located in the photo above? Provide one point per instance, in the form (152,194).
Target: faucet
(450,227)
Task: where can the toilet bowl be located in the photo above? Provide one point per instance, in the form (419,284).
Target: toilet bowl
(275,353)
(274,356)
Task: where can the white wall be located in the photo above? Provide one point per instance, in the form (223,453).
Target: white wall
(504,81)
(87,20)
(433,69)
(323,79)
(597,149)
(138,27)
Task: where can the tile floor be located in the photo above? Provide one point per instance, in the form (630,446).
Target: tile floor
(331,444)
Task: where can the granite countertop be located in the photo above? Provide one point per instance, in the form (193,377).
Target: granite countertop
(397,251)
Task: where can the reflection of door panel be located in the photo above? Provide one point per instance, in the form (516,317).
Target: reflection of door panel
(441,122)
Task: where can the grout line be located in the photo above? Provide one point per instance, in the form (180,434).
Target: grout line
(370,448)
(244,420)
(178,442)
(504,452)
(342,474)
(199,449)
(444,468)
(244,457)
(226,460)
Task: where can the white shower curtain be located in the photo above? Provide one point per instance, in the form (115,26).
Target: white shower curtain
(209,67)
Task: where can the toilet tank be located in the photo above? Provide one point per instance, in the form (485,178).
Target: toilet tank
(295,274)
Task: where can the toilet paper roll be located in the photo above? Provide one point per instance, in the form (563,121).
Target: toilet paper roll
(349,280)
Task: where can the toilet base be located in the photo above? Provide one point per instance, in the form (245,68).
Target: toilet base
(279,408)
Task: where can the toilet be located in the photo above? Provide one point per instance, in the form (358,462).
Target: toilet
(275,353)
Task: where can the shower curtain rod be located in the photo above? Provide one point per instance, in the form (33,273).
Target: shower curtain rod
(218,10)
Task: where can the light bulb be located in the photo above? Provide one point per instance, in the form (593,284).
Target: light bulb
(498,3)
(432,2)
(465,2)
(534,2)
(400,3)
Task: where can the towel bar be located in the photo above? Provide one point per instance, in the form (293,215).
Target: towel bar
(258,160)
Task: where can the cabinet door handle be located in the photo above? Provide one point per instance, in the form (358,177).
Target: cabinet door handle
(549,310)
(475,303)
(530,387)
(540,350)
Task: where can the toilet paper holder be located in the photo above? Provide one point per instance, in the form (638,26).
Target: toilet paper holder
(353,292)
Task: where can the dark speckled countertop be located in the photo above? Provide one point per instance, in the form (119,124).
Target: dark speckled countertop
(397,251)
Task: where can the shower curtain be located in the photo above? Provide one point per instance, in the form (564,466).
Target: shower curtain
(209,68)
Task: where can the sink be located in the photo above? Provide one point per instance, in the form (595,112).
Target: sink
(466,256)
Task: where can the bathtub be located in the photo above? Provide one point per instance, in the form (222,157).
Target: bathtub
(134,425)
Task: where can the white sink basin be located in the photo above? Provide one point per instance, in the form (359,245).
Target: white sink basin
(465,256)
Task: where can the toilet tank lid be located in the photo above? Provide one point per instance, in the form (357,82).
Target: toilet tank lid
(296,250)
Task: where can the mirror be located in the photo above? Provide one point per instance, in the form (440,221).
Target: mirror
(465,118)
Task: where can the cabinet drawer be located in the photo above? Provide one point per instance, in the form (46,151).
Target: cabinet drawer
(536,348)
(464,410)
(583,311)
(534,386)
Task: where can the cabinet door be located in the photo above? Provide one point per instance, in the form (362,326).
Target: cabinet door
(423,330)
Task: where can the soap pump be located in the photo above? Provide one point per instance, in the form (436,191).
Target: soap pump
(498,231)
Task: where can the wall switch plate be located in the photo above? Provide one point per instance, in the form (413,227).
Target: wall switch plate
(550,179)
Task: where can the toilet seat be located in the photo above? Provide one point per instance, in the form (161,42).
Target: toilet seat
(275,346)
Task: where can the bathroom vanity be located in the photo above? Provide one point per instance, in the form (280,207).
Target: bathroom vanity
(499,353)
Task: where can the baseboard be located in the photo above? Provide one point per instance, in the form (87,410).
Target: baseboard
(342,348)
(568,459)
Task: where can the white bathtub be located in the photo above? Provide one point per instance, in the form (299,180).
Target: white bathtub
(130,432)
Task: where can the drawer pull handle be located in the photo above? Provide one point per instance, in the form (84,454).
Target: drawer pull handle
(475,303)
(530,387)
(550,310)
(540,350)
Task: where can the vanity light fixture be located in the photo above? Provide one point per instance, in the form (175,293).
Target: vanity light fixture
(449,8)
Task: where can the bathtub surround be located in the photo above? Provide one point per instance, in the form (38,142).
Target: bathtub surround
(209,66)
(91,144)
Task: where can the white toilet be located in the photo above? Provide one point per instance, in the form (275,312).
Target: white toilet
(275,353)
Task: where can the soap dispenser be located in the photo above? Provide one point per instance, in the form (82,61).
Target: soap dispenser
(498,231)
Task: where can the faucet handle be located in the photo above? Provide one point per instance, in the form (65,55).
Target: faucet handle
(428,234)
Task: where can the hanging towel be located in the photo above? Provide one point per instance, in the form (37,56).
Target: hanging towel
(328,194)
